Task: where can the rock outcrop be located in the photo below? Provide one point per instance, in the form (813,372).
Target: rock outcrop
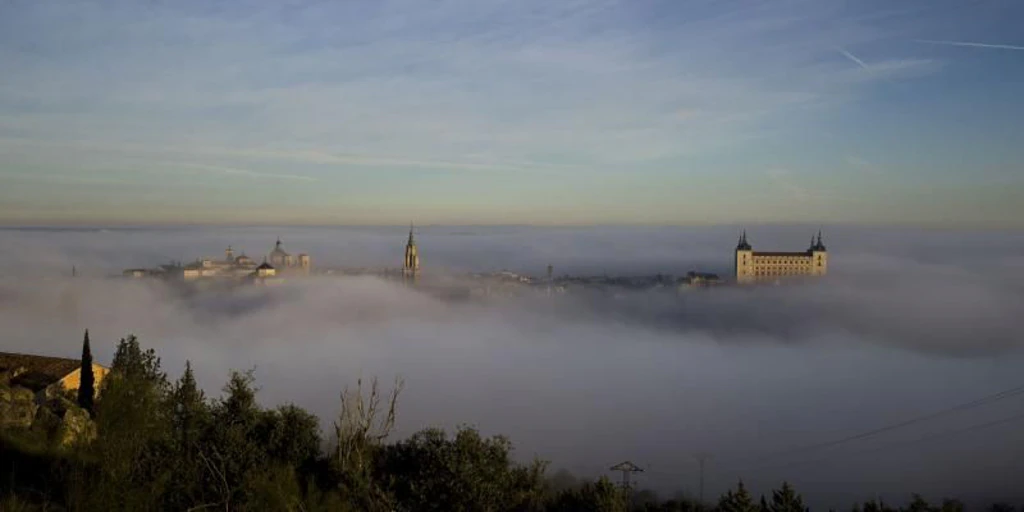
(76,427)
(17,407)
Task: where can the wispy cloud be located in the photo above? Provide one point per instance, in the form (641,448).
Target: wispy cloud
(470,94)
(785,181)
(970,44)
(471,162)
(853,57)
(862,164)
(219,169)
(525,81)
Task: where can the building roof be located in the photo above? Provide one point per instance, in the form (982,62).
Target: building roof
(36,372)
(702,275)
(802,254)
(265,266)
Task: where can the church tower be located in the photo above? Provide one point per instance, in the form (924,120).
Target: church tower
(411,265)
(744,260)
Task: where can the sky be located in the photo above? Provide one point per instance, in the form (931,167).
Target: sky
(511,112)
(908,322)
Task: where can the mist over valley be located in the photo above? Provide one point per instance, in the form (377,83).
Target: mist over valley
(908,322)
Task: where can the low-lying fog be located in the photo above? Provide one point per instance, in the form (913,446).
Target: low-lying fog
(908,323)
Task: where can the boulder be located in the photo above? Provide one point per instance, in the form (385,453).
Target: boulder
(46,422)
(76,427)
(17,407)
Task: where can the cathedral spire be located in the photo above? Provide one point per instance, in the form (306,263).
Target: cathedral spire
(411,264)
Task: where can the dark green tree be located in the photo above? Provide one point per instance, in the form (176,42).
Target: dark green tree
(918,504)
(233,454)
(189,411)
(599,496)
(134,433)
(785,499)
(87,384)
(877,506)
(190,418)
(738,501)
(292,435)
(679,504)
(431,471)
(950,505)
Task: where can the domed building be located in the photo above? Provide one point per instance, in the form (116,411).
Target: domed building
(279,258)
(285,262)
(232,266)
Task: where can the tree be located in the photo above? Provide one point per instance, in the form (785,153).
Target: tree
(134,432)
(600,496)
(918,504)
(359,433)
(877,506)
(87,383)
(950,505)
(190,418)
(739,501)
(292,435)
(1001,507)
(786,499)
(189,410)
(431,471)
(232,453)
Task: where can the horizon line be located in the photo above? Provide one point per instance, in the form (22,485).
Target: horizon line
(172,225)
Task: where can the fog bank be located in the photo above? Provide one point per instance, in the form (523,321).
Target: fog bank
(906,324)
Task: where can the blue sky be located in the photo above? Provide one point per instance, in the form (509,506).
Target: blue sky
(512,111)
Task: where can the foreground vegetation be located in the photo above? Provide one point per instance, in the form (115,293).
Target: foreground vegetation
(153,444)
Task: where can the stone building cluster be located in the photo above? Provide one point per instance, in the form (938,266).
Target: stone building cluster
(278,263)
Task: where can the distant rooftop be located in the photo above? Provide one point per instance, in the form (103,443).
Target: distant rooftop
(36,372)
(778,253)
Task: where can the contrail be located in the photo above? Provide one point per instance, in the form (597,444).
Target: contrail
(974,45)
(853,58)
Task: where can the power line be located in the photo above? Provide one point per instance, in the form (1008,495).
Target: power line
(904,444)
(979,402)
(995,397)
(885,447)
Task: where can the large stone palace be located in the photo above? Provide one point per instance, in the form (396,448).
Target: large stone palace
(752,266)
